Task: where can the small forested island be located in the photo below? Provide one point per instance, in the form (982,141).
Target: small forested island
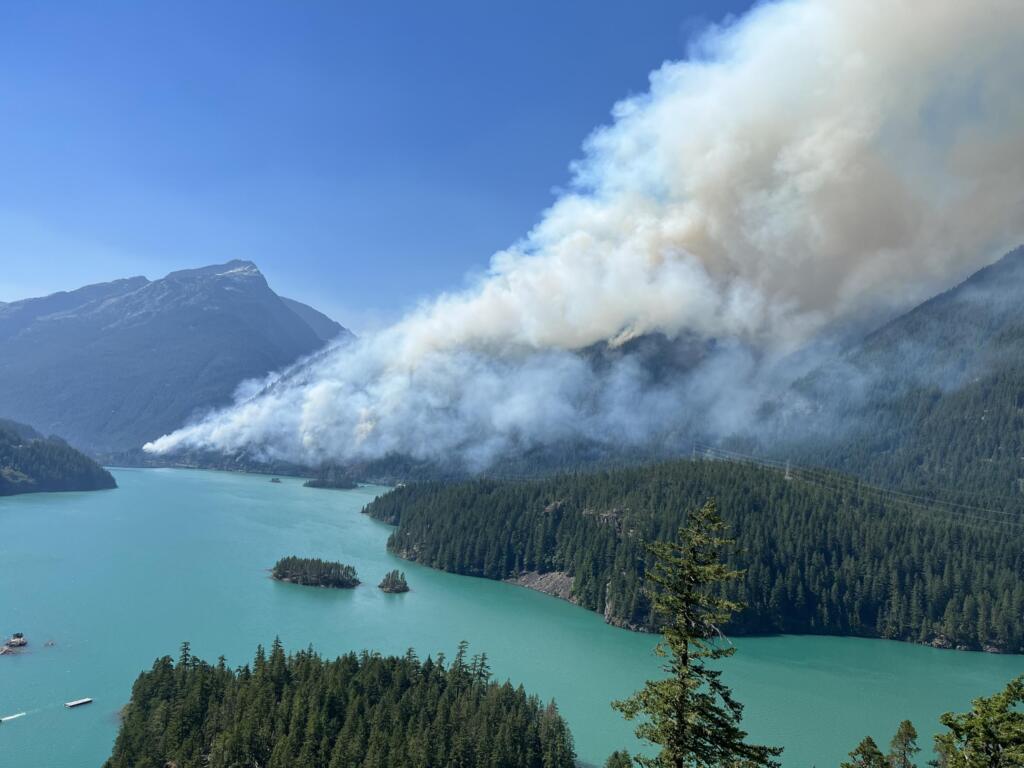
(31,463)
(821,552)
(302,711)
(313,572)
(394,582)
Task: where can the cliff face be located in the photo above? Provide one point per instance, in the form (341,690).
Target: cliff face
(555,583)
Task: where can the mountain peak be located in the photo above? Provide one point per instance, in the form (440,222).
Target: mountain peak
(234,269)
(112,366)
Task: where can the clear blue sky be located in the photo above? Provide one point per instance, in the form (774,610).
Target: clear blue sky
(364,155)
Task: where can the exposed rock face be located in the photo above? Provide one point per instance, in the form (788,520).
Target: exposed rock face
(16,642)
(554,583)
(559,584)
(618,621)
(941,641)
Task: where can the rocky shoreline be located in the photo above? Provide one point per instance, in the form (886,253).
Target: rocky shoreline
(559,584)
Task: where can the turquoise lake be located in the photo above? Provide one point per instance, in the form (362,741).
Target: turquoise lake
(118,578)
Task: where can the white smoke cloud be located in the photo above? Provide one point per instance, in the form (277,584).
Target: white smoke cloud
(809,164)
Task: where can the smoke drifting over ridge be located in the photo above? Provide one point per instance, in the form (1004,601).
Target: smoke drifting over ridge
(807,165)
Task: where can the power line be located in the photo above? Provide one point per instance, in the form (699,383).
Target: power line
(838,482)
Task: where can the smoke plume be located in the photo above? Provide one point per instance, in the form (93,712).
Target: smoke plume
(809,165)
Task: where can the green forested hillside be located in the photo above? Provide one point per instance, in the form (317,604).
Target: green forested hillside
(301,711)
(966,445)
(934,400)
(30,463)
(822,554)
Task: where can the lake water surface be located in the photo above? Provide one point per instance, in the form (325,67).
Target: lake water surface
(118,578)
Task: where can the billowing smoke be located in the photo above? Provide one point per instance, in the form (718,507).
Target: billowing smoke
(809,165)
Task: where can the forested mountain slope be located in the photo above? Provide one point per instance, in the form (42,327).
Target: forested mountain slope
(31,463)
(302,711)
(822,554)
(933,401)
(112,366)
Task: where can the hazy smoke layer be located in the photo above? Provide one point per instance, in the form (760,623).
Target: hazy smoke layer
(809,164)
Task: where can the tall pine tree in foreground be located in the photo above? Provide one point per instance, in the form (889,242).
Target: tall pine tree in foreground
(692,714)
(903,746)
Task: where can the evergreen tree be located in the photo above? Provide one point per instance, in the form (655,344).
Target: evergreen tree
(619,759)
(692,714)
(903,746)
(358,711)
(991,735)
(866,755)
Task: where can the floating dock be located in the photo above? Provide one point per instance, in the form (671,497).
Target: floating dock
(77,703)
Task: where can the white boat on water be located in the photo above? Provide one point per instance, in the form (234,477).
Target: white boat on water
(77,703)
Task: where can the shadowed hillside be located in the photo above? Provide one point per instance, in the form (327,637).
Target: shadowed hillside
(111,366)
(30,463)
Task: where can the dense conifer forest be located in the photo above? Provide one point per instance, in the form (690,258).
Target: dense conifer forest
(822,553)
(357,711)
(313,572)
(30,463)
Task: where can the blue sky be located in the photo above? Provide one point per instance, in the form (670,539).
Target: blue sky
(364,155)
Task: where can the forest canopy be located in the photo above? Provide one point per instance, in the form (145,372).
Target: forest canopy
(31,463)
(821,554)
(357,711)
